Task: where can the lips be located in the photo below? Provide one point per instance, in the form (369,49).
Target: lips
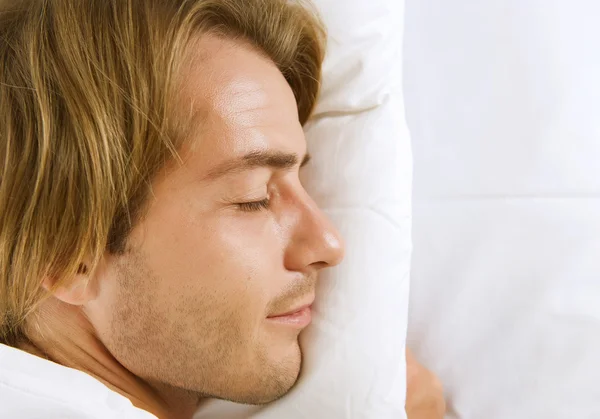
(298,317)
(292,312)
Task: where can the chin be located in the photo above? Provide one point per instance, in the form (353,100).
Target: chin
(276,378)
(274,392)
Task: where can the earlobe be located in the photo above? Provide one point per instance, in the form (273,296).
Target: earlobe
(76,292)
(74,295)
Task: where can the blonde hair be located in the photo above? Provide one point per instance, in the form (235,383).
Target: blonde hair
(86,121)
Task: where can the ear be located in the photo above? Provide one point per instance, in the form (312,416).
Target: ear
(80,290)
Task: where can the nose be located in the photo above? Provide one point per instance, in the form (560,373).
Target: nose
(315,243)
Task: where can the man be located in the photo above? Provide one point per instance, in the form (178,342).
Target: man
(154,232)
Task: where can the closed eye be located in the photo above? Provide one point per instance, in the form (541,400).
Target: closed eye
(254,206)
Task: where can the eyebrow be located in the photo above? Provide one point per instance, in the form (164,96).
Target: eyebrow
(255,159)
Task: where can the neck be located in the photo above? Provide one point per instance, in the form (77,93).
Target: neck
(64,335)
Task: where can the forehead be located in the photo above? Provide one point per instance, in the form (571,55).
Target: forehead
(237,100)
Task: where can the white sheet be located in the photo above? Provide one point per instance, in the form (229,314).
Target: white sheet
(503,102)
(361,175)
(33,388)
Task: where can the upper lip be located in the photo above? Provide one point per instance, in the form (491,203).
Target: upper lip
(296,309)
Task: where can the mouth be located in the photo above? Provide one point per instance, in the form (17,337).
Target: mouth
(299,317)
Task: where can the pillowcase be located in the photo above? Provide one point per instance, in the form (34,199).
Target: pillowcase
(360,174)
(503,103)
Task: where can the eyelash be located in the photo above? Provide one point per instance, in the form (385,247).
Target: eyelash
(255,206)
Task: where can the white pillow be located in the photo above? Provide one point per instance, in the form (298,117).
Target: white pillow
(354,364)
(503,101)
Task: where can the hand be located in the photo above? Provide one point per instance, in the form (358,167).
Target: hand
(425,395)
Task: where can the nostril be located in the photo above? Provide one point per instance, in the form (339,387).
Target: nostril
(320,265)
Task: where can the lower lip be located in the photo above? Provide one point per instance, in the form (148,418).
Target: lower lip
(299,319)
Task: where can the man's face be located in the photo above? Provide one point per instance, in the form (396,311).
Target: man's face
(230,241)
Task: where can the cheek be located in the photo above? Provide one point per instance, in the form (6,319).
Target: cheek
(232,260)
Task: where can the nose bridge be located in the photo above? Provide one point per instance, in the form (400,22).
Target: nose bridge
(316,236)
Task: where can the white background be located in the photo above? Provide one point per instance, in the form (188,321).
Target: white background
(503,104)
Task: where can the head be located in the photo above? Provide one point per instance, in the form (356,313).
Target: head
(149,162)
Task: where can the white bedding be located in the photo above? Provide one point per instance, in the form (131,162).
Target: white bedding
(503,103)
(360,174)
